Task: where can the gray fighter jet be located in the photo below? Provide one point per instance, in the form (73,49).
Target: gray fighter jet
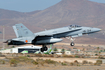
(25,36)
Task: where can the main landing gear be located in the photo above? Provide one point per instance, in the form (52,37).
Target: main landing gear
(44,48)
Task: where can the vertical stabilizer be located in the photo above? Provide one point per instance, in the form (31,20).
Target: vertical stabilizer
(22,31)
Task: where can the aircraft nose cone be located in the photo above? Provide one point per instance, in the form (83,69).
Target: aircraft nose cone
(97,29)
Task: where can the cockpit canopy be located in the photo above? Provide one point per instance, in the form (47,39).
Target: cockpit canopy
(74,26)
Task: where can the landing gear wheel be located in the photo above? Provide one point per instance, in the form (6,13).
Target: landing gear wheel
(45,48)
(42,50)
(72,44)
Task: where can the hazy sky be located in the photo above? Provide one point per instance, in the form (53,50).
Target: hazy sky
(30,5)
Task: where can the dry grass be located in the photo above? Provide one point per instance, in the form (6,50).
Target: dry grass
(13,62)
(98,62)
(84,62)
(2,62)
(16,61)
(43,55)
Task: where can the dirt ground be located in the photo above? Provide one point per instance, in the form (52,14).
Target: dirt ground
(51,67)
(28,66)
(66,59)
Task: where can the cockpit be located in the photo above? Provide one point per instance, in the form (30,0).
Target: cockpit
(74,26)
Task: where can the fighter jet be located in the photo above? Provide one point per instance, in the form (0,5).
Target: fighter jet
(25,36)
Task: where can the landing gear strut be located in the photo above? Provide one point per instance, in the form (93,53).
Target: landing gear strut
(44,48)
(72,43)
(71,39)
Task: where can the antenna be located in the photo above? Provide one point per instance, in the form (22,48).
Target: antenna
(3,36)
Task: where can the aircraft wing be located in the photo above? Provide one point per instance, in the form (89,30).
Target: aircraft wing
(42,37)
(39,40)
(51,34)
(67,30)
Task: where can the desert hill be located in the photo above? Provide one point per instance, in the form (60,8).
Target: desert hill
(64,13)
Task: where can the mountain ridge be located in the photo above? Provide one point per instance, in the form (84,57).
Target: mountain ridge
(64,13)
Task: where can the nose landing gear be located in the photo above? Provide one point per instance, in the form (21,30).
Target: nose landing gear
(72,44)
(71,39)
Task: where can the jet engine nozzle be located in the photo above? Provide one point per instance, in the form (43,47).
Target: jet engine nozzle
(8,42)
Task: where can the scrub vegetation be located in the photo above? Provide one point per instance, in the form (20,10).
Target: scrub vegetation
(16,60)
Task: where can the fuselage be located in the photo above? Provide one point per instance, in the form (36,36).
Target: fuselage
(68,31)
(54,35)
(25,36)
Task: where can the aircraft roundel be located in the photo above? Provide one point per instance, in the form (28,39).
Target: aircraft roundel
(26,41)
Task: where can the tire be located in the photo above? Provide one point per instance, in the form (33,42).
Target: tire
(42,50)
(72,44)
(45,48)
